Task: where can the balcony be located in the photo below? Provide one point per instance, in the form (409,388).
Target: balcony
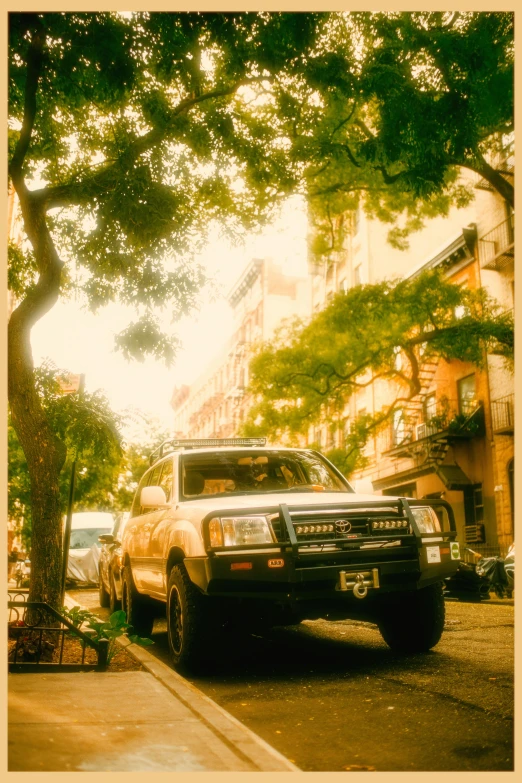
(503,415)
(450,421)
(497,247)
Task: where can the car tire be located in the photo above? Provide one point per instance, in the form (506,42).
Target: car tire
(104,595)
(413,622)
(188,622)
(114,601)
(137,607)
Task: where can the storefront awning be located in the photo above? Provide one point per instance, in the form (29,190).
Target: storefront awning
(453,477)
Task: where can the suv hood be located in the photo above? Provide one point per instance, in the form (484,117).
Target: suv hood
(212,503)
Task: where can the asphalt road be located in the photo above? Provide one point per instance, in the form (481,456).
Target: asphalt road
(331,696)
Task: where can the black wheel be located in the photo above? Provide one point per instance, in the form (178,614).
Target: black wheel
(413,622)
(114,602)
(104,595)
(188,621)
(137,607)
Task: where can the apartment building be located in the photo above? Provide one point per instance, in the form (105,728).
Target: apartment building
(455,438)
(216,404)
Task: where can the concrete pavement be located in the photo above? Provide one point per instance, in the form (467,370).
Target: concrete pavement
(142,721)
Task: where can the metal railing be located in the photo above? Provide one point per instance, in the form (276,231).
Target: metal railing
(503,414)
(38,636)
(454,417)
(496,248)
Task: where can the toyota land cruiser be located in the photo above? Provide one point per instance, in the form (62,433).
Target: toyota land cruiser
(234,532)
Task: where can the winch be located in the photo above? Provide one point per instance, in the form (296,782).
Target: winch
(358,581)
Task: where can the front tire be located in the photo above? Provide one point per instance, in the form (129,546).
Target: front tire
(137,607)
(188,623)
(413,622)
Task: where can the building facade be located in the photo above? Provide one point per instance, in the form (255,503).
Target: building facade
(455,438)
(216,404)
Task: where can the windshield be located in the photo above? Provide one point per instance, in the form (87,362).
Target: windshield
(84,539)
(256,472)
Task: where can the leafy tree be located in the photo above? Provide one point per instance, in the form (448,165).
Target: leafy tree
(308,372)
(91,433)
(131,135)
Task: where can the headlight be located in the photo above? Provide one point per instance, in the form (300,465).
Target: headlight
(426,519)
(239,531)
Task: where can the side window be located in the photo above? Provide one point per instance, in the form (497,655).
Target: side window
(165,480)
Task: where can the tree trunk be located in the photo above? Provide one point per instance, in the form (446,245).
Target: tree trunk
(44,452)
(45,455)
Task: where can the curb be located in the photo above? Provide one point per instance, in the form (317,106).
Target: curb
(238,737)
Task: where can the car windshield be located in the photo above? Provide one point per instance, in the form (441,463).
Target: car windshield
(85,538)
(255,472)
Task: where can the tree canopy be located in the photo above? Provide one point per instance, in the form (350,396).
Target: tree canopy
(309,371)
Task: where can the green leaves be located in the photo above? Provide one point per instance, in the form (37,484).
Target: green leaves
(112,630)
(307,374)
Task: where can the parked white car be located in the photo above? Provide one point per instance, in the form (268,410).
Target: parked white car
(84,547)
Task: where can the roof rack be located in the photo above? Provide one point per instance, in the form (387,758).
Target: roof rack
(174,444)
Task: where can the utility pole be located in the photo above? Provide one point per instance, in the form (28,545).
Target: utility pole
(70,503)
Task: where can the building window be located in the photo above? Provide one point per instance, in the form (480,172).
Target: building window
(430,407)
(466,391)
(403,491)
(357,275)
(511,481)
(399,427)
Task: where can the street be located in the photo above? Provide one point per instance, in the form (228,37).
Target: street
(331,696)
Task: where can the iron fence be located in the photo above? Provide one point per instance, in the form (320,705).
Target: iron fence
(40,638)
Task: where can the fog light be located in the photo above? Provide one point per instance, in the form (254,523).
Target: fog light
(276,562)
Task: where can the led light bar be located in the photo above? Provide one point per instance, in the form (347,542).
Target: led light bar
(201,443)
(314,529)
(389,524)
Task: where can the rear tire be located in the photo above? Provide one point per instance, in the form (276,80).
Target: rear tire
(104,595)
(413,622)
(188,621)
(114,602)
(137,607)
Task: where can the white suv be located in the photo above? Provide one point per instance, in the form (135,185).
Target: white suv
(234,532)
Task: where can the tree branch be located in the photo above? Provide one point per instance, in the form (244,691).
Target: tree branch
(81,191)
(34,68)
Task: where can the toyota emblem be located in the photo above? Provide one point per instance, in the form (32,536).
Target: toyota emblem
(343,526)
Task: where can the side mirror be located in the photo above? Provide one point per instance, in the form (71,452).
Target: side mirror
(153,497)
(364,486)
(106,538)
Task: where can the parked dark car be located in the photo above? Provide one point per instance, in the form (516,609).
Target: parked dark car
(110,566)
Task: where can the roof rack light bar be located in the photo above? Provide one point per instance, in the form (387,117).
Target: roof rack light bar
(195,443)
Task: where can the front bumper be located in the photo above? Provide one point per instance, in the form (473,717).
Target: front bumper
(299,571)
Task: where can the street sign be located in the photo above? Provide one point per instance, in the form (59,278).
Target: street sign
(70,384)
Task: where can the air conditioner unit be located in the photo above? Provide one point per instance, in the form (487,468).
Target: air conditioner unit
(421,431)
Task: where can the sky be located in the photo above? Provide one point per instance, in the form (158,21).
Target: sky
(81,342)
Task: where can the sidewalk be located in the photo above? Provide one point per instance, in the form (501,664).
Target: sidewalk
(144,721)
